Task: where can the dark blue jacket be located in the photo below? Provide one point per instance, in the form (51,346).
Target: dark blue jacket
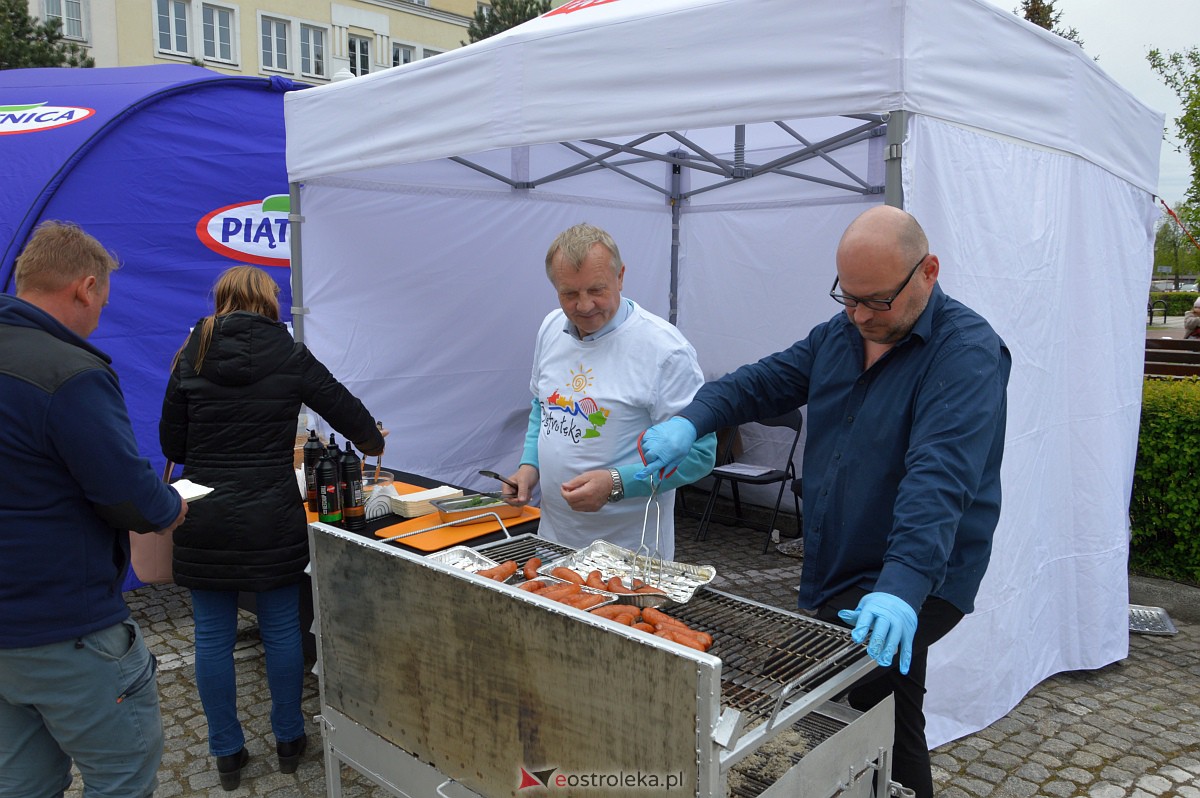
(73,483)
(901,461)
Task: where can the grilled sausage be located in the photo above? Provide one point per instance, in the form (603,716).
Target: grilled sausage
(594,580)
(583,601)
(651,615)
(615,585)
(681,639)
(702,638)
(567,575)
(612,611)
(531,566)
(533,586)
(501,572)
(560,591)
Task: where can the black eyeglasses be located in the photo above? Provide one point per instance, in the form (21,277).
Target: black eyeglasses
(874,304)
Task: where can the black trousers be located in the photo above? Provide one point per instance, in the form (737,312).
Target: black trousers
(910,753)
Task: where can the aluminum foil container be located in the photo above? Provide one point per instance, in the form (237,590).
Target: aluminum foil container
(467,559)
(678,580)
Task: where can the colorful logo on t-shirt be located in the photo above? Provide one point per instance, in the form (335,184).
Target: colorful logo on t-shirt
(564,414)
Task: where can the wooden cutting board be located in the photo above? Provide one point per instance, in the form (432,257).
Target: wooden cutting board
(451,535)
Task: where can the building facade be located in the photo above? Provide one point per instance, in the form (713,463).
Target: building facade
(305,40)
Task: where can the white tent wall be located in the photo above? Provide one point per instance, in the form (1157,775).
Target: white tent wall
(754,281)
(426,306)
(1038,241)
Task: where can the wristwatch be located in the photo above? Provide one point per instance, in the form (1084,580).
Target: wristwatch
(618,488)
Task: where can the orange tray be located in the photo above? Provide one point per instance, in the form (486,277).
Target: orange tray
(451,535)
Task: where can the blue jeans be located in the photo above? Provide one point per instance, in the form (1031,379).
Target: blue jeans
(94,700)
(216,614)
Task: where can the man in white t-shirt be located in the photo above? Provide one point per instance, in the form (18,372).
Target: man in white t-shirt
(604,369)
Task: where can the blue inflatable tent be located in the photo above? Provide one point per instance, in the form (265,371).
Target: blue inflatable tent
(176,169)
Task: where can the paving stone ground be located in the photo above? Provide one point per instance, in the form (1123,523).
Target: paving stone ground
(1128,730)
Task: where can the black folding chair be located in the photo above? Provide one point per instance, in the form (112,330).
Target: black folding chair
(736,473)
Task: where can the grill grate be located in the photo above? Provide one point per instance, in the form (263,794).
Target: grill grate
(762,648)
(522,547)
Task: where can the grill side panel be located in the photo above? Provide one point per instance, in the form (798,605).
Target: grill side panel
(480,681)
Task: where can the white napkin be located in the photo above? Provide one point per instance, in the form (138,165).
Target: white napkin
(189,490)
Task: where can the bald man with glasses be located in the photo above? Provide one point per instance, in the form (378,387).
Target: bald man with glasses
(905,392)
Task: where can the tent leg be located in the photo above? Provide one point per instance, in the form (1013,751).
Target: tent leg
(676,211)
(295,219)
(893,187)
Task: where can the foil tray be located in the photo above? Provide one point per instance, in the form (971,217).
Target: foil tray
(467,559)
(678,580)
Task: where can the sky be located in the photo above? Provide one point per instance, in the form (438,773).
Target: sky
(1121,33)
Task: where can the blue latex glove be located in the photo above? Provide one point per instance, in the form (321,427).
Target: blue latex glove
(665,445)
(890,620)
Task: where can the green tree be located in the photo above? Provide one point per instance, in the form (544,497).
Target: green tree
(1174,248)
(25,42)
(1181,73)
(502,15)
(1043,14)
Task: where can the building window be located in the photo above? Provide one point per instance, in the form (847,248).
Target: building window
(70,14)
(312,51)
(401,54)
(430,53)
(173,26)
(218,33)
(360,55)
(274,44)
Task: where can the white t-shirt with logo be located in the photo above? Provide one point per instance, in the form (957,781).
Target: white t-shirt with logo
(596,398)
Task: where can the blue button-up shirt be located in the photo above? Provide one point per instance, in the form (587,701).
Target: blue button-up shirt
(901,461)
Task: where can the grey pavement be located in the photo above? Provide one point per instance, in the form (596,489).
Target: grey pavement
(1130,729)
(1172,327)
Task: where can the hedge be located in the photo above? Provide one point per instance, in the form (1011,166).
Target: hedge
(1164,509)
(1178,302)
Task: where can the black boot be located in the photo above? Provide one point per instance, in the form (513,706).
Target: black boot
(229,768)
(289,753)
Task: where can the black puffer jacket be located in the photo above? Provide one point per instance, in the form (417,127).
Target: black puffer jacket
(233,426)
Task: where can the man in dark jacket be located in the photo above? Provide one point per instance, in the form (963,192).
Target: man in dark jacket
(76,680)
(906,416)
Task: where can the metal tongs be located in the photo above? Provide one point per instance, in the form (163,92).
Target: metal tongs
(651,562)
(651,565)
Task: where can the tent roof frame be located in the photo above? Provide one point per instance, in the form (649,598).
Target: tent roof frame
(695,157)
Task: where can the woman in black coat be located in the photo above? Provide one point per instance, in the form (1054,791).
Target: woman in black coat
(229,416)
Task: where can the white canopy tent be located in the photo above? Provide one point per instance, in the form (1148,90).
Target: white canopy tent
(726,144)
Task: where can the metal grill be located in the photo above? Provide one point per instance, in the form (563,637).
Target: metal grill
(762,649)
(522,547)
